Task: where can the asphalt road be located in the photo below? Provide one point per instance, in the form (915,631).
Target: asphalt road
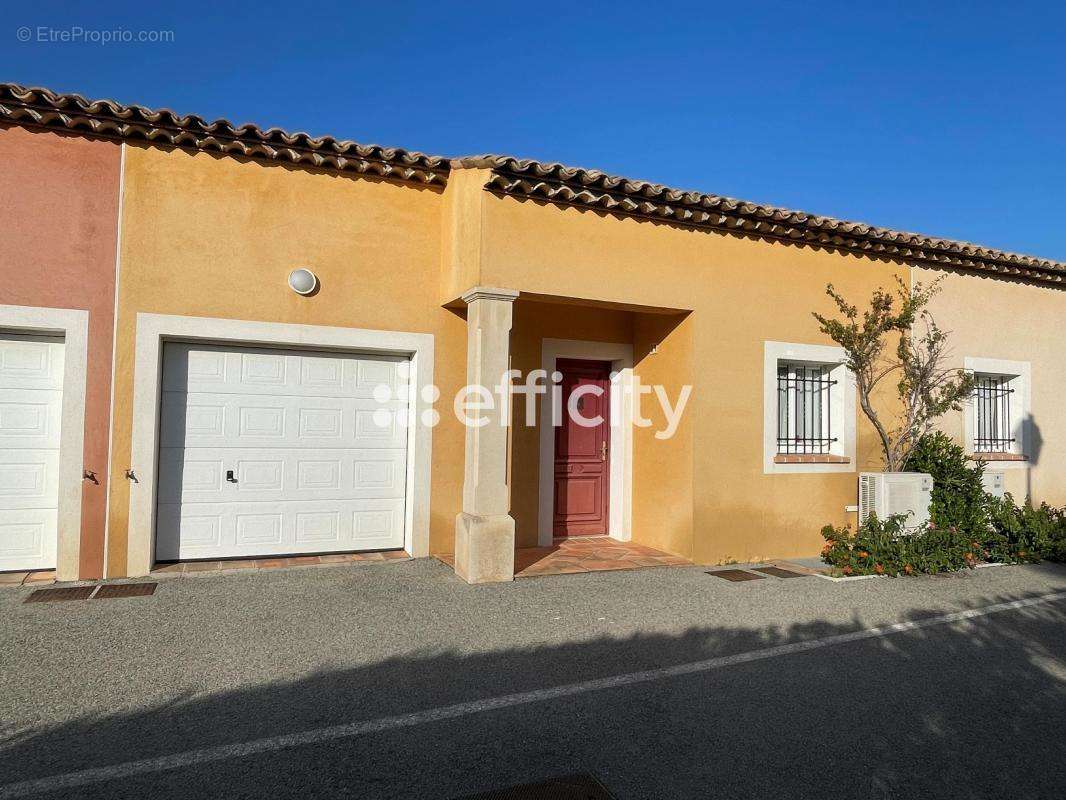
(973,708)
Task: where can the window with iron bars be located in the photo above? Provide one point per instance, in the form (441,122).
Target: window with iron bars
(803,412)
(993,426)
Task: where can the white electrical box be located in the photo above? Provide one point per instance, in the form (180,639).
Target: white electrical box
(994,482)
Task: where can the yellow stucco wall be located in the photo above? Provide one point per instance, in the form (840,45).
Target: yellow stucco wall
(216,237)
(1013,321)
(461,226)
(742,292)
(663,487)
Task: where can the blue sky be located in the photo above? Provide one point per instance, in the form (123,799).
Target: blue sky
(944,118)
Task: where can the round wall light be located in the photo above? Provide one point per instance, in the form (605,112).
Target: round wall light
(303,281)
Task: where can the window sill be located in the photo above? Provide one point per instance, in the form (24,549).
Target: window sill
(796,458)
(998,457)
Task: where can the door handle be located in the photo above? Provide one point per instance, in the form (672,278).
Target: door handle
(603,451)
(229,476)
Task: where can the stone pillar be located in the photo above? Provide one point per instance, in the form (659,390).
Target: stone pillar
(484,531)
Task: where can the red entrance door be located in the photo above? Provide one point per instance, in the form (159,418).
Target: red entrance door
(583,452)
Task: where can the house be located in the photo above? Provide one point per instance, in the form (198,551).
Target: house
(169,389)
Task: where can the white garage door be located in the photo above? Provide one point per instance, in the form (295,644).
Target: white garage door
(266,452)
(31,400)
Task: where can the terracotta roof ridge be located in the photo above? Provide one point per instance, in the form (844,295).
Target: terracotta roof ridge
(37,106)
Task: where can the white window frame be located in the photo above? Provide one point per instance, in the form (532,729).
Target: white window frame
(154,329)
(1020,374)
(841,405)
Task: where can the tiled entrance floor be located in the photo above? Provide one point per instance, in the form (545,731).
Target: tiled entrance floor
(190,567)
(38,577)
(584,554)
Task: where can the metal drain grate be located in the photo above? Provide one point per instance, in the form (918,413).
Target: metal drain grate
(779,572)
(570,787)
(60,594)
(736,575)
(112,590)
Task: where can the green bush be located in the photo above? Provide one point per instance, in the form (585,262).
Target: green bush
(1057,551)
(959,500)
(966,525)
(1021,534)
(889,548)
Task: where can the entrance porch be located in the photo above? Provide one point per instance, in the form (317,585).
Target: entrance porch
(544,494)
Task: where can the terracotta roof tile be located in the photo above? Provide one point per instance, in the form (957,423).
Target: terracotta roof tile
(45,108)
(586,187)
(511,176)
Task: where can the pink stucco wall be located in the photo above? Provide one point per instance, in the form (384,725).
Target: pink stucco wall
(59,207)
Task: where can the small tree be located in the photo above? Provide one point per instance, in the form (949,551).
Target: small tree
(926,388)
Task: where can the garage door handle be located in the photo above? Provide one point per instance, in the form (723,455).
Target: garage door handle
(229,476)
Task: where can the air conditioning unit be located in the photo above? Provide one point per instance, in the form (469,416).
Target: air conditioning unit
(994,482)
(889,493)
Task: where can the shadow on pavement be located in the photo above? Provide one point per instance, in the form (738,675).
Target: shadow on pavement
(975,709)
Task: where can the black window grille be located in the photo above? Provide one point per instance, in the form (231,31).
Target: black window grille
(803,411)
(992,412)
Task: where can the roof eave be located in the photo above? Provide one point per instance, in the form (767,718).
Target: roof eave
(42,108)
